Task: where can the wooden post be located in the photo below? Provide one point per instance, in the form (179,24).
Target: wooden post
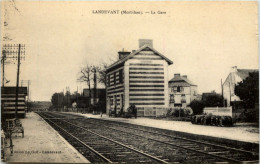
(17,83)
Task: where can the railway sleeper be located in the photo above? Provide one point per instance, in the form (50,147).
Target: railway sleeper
(219,152)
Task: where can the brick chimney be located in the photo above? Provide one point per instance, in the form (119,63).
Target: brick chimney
(143,42)
(177,75)
(234,69)
(185,76)
(122,54)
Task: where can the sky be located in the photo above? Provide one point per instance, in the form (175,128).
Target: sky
(203,39)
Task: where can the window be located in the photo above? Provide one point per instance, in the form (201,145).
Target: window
(171,98)
(114,78)
(121,76)
(174,89)
(178,89)
(108,80)
(111,101)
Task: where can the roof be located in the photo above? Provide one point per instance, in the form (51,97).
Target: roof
(181,81)
(120,61)
(12,90)
(100,92)
(244,73)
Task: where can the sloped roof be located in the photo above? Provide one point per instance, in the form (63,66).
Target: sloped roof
(244,73)
(120,61)
(181,81)
(100,92)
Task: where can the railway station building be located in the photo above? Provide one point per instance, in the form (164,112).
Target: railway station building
(139,77)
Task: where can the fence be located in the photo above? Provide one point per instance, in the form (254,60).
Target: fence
(220,111)
(151,112)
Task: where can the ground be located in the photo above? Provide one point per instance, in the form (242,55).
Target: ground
(241,131)
(41,143)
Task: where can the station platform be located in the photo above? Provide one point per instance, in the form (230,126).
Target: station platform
(41,143)
(245,132)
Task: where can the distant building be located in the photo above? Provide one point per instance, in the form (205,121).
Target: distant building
(181,91)
(8,101)
(206,95)
(138,77)
(100,94)
(234,77)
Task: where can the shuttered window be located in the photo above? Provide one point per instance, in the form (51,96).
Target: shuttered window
(120,76)
(108,80)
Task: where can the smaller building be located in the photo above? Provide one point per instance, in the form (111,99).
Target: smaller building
(100,95)
(181,91)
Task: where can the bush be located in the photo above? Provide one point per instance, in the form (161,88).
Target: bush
(176,112)
(197,107)
(249,116)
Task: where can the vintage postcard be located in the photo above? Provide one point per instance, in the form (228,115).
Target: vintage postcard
(129,81)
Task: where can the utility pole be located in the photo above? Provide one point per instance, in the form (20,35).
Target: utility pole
(77,100)
(3,62)
(67,98)
(10,51)
(95,86)
(222,94)
(28,82)
(17,82)
(229,94)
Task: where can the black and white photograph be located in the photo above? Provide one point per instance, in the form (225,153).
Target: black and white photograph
(129,81)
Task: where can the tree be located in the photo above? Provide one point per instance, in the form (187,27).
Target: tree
(57,99)
(197,107)
(102,74)
(248,90)
(85,76)
(213,100)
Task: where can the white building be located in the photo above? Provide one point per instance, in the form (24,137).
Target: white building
(235,76)
(181,91)
(138,78)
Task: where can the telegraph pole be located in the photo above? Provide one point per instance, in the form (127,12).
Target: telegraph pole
(11,51)
(95,86)
(17,82)
(222,94)
(3,62)
(28,90)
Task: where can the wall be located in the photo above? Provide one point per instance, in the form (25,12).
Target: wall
(229,87)
(114,89)
(146,80)
(178,96)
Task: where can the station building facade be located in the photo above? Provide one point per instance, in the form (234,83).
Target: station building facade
(138,77)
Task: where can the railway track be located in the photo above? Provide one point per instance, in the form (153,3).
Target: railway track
(98,148)
(163,146)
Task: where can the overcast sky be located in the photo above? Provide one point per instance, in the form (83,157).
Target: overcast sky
(203,39)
